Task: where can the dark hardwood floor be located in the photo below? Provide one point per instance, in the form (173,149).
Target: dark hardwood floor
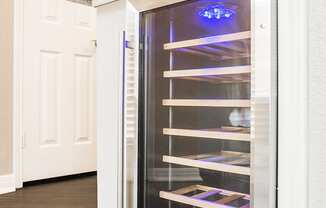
(77,192)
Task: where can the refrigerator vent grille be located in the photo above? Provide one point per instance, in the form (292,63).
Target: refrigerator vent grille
(131,83)
(131,107)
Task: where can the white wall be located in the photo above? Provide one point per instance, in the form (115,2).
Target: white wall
(317,104)
(302,127)
(6,38)
(292,95)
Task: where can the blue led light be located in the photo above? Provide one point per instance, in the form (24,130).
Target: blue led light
(217,12)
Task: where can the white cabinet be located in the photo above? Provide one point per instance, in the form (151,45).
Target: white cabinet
(111,24)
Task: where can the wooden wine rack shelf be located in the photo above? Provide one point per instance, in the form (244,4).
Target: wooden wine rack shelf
(207,103)
(231,162)
(235,74)
(225,199)
(221,134)
(220,47)
(208,40)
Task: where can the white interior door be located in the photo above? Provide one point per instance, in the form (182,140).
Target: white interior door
(58,89)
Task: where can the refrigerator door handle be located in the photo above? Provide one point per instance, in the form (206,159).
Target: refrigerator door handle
(122,122)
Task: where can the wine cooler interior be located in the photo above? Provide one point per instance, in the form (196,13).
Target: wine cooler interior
(197,141)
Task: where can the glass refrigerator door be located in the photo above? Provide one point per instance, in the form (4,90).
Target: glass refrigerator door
(197,144)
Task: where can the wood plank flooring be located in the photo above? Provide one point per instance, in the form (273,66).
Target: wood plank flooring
(78,192)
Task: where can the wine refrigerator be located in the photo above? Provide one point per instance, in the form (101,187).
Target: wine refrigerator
(207,125)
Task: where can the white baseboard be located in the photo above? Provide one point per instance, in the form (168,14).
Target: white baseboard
(7,184)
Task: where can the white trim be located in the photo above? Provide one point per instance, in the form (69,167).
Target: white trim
(7,184)
(293,104)
(17,91)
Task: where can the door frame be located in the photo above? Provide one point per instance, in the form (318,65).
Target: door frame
(18,61)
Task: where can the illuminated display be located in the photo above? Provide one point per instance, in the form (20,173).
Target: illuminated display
(217,12)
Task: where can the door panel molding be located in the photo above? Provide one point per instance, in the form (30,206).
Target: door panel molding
(83,76)
(49,117)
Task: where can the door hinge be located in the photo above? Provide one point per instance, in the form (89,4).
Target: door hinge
(95,43)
